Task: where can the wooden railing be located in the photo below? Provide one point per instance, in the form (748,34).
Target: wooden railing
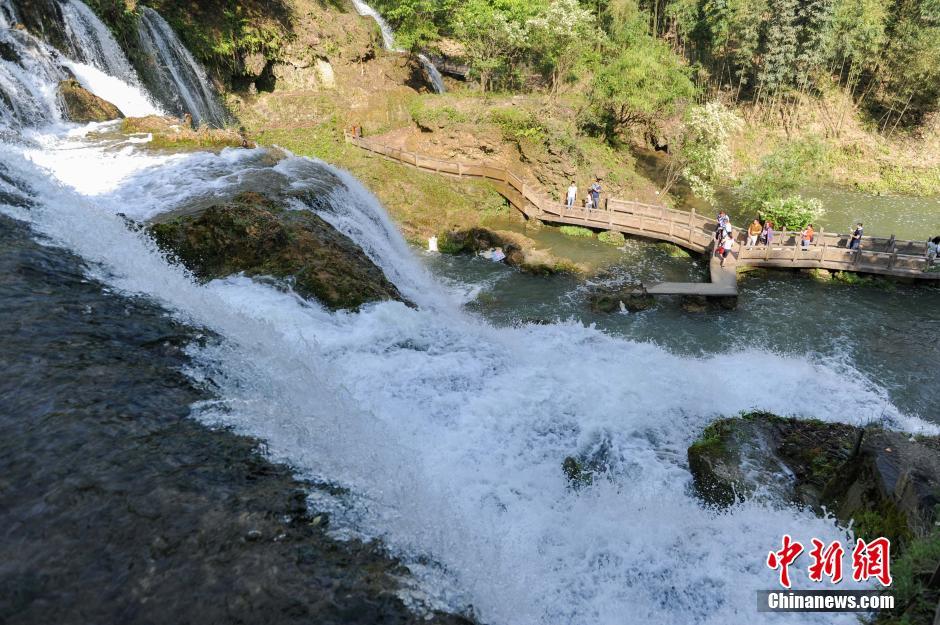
(687,229)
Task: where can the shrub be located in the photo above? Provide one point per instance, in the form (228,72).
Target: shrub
(576,231)
(518,125)
(612,237)
(791,213)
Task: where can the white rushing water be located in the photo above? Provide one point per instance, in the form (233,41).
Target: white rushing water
(388,41)
(93,43)
(182,81)
(450,433)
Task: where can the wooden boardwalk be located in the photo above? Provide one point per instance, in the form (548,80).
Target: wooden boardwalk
(877,255)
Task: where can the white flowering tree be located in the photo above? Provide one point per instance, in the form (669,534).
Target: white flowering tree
(701,153)
(559,35)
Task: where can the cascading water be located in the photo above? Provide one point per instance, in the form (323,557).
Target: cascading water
(388,41)
(29,75)
(180,81)
(7,14)
(447,432)
(93,43)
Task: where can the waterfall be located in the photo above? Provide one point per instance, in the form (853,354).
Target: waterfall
(7,14)
(181,82)
(31,70)
(93,43)
(388,41)
(29,76)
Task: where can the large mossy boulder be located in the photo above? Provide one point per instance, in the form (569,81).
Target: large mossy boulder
(82,106)
(252,234)
(886,482)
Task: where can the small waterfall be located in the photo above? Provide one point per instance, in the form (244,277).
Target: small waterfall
(7,14)
(182,83)
(29,77)
(93,44)
(388,41)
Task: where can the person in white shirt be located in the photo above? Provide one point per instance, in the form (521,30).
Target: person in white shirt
(572,195)
(933,250)
(727,244)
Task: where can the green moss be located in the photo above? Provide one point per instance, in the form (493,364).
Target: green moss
(251,234)
(576,231)
(612,237)
(673,250)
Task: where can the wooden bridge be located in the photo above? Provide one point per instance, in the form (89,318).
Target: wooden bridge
(883,256)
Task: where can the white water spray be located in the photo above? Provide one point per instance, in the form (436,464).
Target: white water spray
(388,40)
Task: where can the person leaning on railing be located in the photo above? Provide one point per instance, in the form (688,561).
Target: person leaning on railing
(933,250)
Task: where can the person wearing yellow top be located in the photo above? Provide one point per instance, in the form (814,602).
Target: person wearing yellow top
(753,231)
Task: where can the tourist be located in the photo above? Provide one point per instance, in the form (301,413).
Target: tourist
(753,231)
(856,239)
(933,250)
(572,195)
(727,245)
(588,202)
(806,237)
(596,193)
(767,234)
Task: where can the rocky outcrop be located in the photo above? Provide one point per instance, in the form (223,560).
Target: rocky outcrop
(630,297)
(82,106)
(518,249)
(179,134)
(887,482)
(252,234)
(43,18)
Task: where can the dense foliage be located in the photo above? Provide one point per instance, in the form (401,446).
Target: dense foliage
(639,58)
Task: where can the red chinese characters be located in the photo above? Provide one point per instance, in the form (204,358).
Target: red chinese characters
(872,560)
(784,558)
(827,560)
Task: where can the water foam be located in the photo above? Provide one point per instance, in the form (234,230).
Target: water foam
(450,433)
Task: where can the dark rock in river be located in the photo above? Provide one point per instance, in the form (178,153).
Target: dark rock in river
(631,297)
(83,106)
(888,482)
(252,234)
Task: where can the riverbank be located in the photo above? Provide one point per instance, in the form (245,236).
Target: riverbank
(132,507)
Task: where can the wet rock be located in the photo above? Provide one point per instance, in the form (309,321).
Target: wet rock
(43,18)
(518,249)
(252,234)
(694,303)
(887,482)
(630,297)
(82,106)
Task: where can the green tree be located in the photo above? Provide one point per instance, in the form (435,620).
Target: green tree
(561,35)
(495,35)
(645,83)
